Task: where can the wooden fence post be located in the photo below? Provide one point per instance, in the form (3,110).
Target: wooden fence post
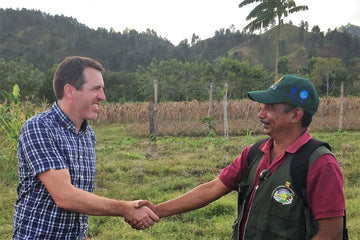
(210,99)
(226,126)
(153,113)
(341,112)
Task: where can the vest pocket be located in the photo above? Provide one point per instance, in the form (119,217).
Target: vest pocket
(274,227)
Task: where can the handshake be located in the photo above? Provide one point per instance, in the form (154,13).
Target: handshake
(141,214)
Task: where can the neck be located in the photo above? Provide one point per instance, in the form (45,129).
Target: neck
(66,107)
(280,144)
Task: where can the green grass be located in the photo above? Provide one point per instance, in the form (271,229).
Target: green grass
(131,168)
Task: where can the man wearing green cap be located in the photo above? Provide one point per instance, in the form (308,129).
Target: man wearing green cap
(270,206)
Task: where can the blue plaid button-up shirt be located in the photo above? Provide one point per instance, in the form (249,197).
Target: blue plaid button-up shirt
(48,140)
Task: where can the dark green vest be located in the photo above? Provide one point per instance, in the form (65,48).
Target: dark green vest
(277,211)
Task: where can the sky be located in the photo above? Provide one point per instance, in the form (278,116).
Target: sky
(178,20)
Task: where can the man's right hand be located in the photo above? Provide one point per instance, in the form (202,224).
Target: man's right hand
(141,215)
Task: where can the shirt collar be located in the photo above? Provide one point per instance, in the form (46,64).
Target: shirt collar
(65,121)
(304,138)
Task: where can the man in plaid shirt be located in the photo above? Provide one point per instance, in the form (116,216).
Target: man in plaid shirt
(56,153)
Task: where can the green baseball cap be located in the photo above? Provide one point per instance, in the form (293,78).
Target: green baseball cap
(297,91)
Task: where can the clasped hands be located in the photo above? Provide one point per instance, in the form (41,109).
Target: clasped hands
(141,215)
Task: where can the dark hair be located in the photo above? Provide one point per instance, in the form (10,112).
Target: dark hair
(306,118)
(71,71)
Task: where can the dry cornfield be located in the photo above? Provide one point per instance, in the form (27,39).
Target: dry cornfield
(182,118)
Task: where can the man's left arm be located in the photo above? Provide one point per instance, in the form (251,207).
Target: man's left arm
(326,197)
(329,229)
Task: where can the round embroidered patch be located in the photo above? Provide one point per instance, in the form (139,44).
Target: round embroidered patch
(304,94)
(283,195)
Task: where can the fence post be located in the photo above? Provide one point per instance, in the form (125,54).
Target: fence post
(341,112)
(153,113)
(226,126)
(210,99)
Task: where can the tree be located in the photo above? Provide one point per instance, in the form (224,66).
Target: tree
(241,76)
(327,73)
(266,12)
(186,81)
(284,65)
(354,77)
(120,86)
(183,49)
(46,86)
(301,32)
(25,76)
(194,39)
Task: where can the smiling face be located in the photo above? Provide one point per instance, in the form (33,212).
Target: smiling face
(276,122)
(86,101)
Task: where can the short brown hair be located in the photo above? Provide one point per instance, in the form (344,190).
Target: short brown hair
(71,71)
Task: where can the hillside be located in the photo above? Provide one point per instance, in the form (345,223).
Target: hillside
(299,45)
(350,28)
(42,40)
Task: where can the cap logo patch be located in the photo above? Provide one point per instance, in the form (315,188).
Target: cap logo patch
(293,94)
(304,94)
(294,90)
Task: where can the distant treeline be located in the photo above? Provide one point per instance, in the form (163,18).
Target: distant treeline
(44,40)
(32,43)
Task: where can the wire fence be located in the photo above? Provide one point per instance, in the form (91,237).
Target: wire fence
(183,118)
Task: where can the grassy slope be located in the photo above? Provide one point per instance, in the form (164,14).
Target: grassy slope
(128,168)
(290,46)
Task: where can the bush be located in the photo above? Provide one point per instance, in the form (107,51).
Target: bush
(13,114)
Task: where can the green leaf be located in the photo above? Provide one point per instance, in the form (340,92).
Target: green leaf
(16,91)
(6,95)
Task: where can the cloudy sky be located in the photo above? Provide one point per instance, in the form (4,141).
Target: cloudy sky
(177,20)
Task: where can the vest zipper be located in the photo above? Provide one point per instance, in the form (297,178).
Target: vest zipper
(247,217)
(240,218)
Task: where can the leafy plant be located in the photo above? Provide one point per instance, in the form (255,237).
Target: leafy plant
(248,137)
(11,97)
(10,122)
(211,124)
(12,116)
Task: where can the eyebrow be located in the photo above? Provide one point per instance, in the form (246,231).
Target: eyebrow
(98,87)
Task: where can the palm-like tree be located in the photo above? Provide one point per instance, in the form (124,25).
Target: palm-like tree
(266,12)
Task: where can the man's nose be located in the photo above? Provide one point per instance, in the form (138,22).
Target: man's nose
(261,113)
(101,95)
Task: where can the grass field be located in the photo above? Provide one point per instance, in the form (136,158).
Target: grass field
(129,168)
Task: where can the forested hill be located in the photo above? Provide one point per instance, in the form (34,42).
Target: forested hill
(298,45)
(33,42)
(43,40)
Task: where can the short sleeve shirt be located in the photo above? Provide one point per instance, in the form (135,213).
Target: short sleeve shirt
(48,140)
(324,180)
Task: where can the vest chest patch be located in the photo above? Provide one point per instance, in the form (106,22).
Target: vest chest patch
(283,194)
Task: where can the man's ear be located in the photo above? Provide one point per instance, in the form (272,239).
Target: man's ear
(298,113)
(68,90)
